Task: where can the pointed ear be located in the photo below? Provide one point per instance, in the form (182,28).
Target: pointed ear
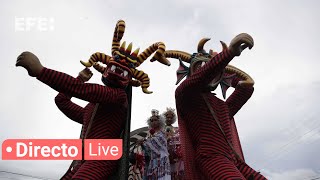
(226,83)
(182,71)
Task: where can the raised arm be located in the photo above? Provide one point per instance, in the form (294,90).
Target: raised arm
(206,73)
(64,103)
(239,97)
(64,83)
(202,77)
(70,109)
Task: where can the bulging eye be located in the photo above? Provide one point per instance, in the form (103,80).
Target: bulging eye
(131,65)
(117,58)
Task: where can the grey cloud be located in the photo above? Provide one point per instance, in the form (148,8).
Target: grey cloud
(282,131)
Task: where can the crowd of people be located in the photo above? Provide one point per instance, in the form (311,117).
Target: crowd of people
(160,153)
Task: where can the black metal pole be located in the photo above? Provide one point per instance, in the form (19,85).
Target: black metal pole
(124,162)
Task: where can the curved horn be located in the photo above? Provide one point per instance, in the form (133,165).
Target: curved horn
(247,79)
(117,36)
(184,56)
(143,78)
(96,57)
(159,48)
(134,83)
(201,44)
(99,68)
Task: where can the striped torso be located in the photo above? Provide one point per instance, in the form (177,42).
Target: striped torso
(199,132)
(206,135)
(108,121)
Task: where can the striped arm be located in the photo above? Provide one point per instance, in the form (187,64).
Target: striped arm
(239,97)
(202,78)
(68,108)
(64,83)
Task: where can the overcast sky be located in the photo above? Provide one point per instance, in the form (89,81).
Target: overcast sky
(279,127)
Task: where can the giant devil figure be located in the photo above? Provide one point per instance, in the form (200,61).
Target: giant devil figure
(105,115)
(210,142)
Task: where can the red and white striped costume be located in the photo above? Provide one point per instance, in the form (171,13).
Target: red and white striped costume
(108,121)
(206,152)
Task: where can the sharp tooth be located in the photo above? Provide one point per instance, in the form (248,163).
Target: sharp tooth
(121,74)
(203,63)
(113,67)
(125,73)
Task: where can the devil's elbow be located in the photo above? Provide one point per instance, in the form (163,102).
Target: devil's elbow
(57,100)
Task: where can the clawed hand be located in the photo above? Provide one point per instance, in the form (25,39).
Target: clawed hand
(30,62)
(240,42)
(85,74)
(246,84)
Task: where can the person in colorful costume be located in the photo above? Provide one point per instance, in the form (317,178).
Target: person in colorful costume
(174,145)
(170,118)
(155,146)
(210,142)
(108,104)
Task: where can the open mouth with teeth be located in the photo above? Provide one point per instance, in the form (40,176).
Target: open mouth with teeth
(117,74)
(118,71)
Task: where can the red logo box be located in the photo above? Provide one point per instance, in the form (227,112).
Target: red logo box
(103,149)
(42,149)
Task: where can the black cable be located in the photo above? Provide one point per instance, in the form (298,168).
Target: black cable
(282,149)
(315,178)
